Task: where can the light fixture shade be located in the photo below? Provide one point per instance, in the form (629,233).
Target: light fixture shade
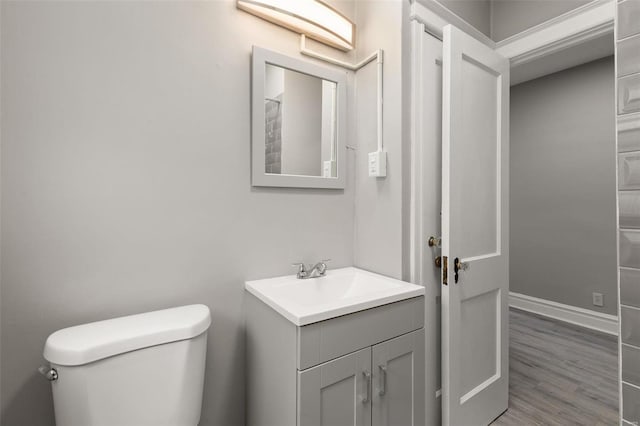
(313,18)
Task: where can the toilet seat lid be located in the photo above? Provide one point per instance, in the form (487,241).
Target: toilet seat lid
(86,343)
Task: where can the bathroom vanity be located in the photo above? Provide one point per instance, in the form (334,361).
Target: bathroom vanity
(343,349)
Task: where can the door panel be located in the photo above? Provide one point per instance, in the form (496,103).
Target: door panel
(474,230)
(337,392)
(479,342)
(398,378)
(476,189)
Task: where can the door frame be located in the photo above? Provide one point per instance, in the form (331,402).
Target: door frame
(586,23)
(580,25)
(583,24)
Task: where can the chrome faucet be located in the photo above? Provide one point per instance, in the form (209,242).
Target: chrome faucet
(316,271)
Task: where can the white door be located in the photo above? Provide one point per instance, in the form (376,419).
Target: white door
(475,231)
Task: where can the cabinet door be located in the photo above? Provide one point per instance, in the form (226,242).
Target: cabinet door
(399,381)
(336,393)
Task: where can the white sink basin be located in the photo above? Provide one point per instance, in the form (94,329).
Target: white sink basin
(340,292)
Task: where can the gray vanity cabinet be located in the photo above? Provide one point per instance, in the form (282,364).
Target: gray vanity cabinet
(378,386)
(399,381)
(336,392)
(360,369)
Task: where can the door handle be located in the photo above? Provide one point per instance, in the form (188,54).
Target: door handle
(383,380)
(367,379)
(459,266)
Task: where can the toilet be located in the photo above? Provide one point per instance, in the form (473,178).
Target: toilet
(138,370)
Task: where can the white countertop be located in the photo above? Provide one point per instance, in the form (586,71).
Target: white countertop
(339,292)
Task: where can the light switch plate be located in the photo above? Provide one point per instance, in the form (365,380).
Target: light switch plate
(378,164)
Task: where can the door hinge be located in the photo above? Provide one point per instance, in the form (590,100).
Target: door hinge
(445,270)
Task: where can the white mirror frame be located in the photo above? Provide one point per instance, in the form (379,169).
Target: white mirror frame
(261,57)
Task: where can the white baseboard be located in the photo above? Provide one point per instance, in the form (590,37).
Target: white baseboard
(583,317)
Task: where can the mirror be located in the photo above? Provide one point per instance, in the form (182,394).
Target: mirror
(298,123)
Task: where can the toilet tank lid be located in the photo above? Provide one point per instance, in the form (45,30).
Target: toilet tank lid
(97,340)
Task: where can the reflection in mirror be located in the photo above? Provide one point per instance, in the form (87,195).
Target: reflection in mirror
(300,123)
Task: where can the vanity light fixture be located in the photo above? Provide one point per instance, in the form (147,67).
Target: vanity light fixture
(313,18)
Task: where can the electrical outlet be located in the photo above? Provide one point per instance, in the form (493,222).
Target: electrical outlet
(598,299)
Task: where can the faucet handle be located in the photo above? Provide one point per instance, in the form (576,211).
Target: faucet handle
(302,269)
(323,266)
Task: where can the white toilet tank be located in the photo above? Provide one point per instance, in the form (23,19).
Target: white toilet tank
(139,370)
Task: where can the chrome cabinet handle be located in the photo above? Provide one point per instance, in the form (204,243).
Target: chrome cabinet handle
(383,380)
(367,379)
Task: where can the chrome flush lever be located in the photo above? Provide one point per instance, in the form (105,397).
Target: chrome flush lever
(49,373)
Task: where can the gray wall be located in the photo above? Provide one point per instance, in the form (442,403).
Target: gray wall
(475,12)
(500,19)
(509,17)
(563,206)
(126,182)
(379,201)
